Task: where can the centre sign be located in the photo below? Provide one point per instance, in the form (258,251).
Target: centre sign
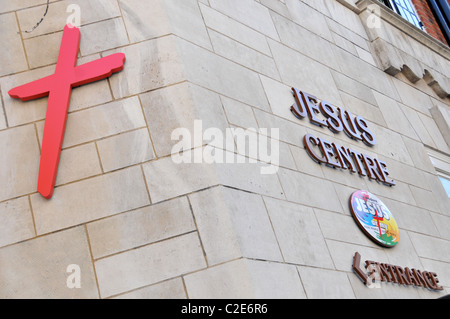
(336,119)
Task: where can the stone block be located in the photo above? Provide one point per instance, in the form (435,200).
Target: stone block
(277,6)
(135,147)
(286,157)
(441,115)
(412,97)
(394,117)
(304,163)
(390,144)
(408,174)
(102,36)
(149,264)
(319,193)
(434,132)
(150,65)
(41,55)
(303,73)
(290,132)
(20,162)
(325,284)
(90,199)
(319,5)
(280,97)
(345,16)
(178,106)
(58,16)
(238,113)
(354,88)
(235,224)
(309,18)
(366,55)
(341,228)
(431,247)
(245,279)
(220,75)
(357,106)
(2,116)
(13,59)
(421,131)
(146,20)
(140,227)
(304,41)
(400,192)
(365,73)
(165,179)
(38,268)
(235,30)
(298,233)
(78,163)
(16,221)
(419,155)
(243,55)
(346,33)
(248,12)
(250,177)
(170,289)
(344,43)
(442,199)
(14,5)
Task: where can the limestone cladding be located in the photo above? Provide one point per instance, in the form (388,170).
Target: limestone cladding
(131,223)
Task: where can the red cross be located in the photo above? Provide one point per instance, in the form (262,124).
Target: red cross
(58,87)
(379,219)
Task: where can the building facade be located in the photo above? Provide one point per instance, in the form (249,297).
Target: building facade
(221,161)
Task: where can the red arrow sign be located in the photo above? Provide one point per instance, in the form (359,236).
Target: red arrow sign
(58,87)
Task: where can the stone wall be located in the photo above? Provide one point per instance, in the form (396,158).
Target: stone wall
(138,225)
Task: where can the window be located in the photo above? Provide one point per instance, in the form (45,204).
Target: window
(446,183)
(441,11)
(442,165)
(405,9)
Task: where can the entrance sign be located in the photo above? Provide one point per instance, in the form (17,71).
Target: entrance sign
(384,272)
(374,218)
(58,87)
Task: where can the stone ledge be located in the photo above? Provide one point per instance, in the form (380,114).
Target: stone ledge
(392,57)
(405,26)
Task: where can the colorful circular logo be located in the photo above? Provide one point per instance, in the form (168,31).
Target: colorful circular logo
(374,218)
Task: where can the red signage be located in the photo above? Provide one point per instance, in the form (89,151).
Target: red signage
(58,88)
